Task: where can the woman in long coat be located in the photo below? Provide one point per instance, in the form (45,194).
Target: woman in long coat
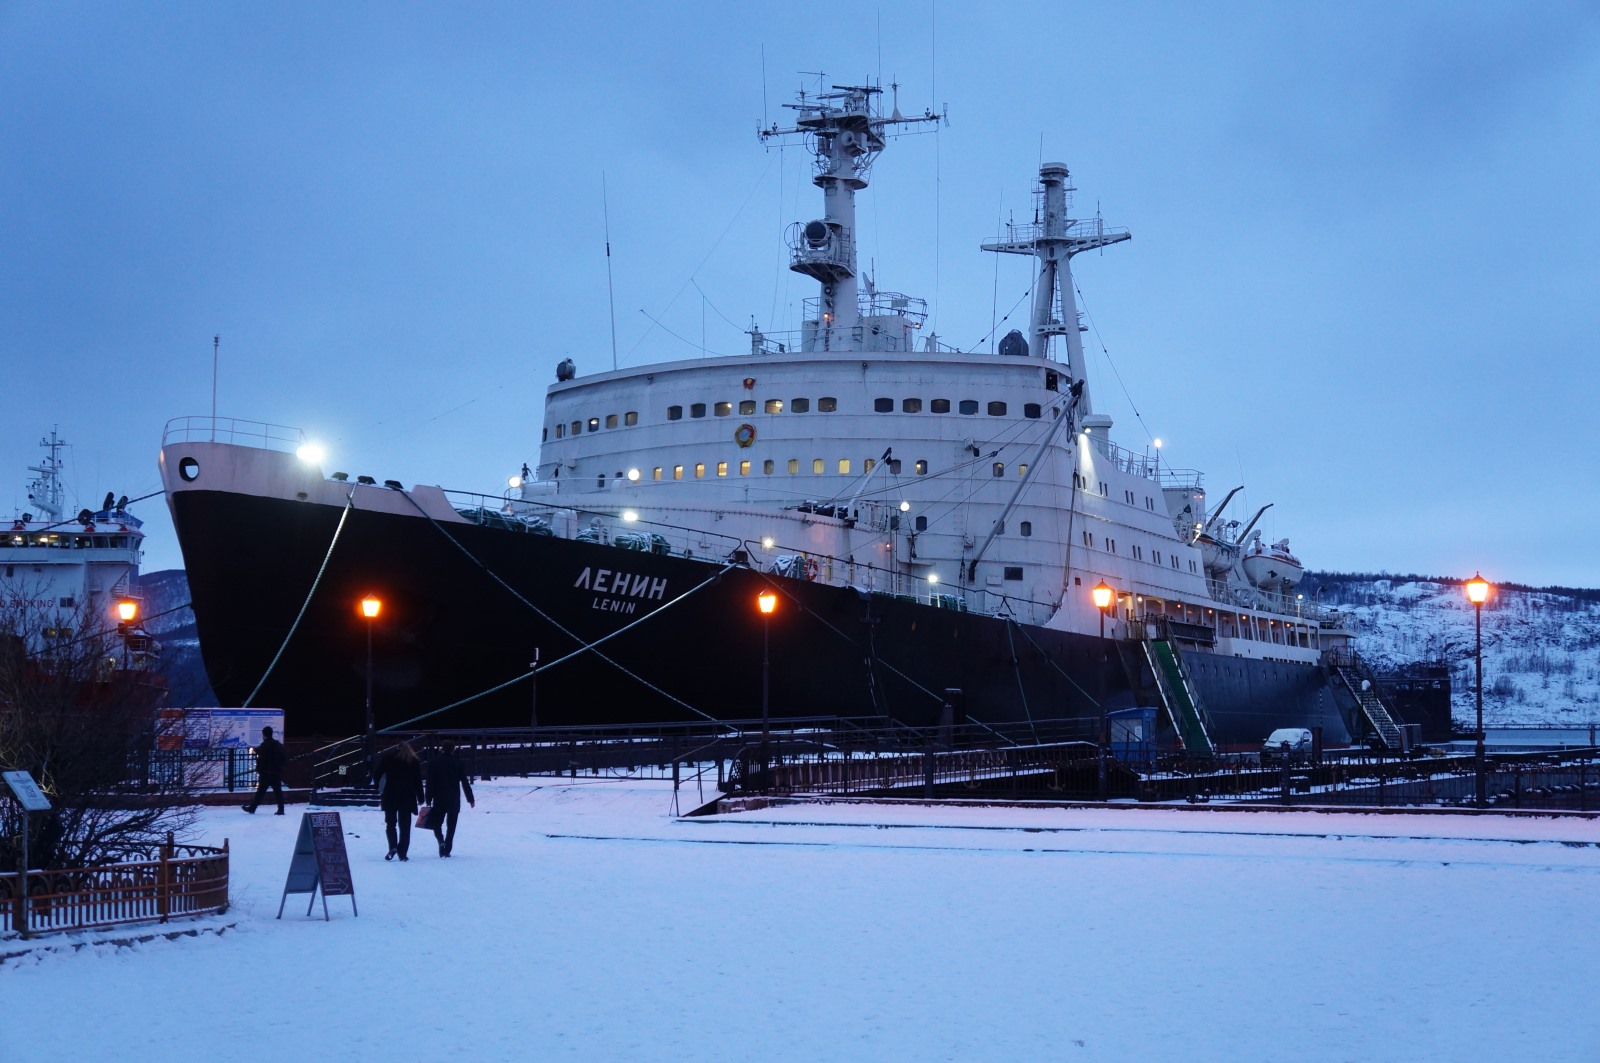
(399,775)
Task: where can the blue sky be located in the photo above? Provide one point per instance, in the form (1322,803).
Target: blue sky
(1363,279)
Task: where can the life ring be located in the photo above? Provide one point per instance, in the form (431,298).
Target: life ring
(811,568)
(744,435)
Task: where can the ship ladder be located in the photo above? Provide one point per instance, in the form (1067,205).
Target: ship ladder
(1183,703)
(1371,703)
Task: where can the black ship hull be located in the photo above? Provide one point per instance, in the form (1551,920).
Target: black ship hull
(631,637)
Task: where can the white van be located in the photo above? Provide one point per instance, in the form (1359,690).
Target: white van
(1290,743)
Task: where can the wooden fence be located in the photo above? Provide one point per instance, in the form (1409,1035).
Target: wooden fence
(182,880)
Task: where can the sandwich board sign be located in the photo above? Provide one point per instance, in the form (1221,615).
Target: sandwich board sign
(319,862)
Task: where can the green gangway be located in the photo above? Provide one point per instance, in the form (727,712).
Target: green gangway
(1186,713)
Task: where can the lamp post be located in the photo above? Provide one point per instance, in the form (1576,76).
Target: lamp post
(767,602)
(1478,593)
(1102,596)
(371,606)
(127,612)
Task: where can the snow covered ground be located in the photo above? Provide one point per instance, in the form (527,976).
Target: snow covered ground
(581,920)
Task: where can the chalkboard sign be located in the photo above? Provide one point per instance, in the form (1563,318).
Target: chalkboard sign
(320,861)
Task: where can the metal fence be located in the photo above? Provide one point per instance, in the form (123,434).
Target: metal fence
(174,882)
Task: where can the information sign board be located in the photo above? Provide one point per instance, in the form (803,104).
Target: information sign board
(27,791)
(320,861)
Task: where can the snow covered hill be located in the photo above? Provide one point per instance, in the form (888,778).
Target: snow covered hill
(1541,646)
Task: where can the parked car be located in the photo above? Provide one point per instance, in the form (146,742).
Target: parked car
(1287,743)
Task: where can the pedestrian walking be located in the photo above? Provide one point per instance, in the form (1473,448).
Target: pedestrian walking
(269,770)
(399,777)
(447,779)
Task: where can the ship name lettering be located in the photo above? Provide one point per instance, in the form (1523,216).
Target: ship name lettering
(612,605)
(606,581)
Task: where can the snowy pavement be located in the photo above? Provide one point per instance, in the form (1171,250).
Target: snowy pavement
(581,920)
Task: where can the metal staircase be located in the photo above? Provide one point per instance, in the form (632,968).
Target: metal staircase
(1358,678)
(1182,702)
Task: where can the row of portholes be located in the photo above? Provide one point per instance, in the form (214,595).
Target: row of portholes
(826,404)
(819,467)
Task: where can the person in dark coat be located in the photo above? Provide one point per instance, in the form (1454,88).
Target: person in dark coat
(399,777)
(269,770)
(447,778)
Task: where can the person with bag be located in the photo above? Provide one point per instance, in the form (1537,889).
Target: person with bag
(269,770)
(399,777)
(447,778)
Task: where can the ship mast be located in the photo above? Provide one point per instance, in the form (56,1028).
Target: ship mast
(1053,239)
(845,134)
(46,491)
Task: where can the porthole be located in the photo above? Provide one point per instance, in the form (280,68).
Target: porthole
(674,413)
(910,405)
(997,409)
(747,407)
(939,405)
(827,404)
(799,405)
(188,469)
(697,409)
(881,405)
(969,406)
(723,409)
(611,420)
(1031,409)
(773,406)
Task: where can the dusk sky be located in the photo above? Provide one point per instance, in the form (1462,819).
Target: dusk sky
(1364,278)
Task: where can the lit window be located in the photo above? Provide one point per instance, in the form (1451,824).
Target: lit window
(766,467)
(655,474)
(997,409)
(697,409)
(723,409)
(816,466)
(799,405)
(1031,409)
(827,404)
(868,464)
(744,468)
(674,413)
(910,405)
(677,472)
(882,405)
(999,468)
(594,424)
(561,430)
(844,466)
(699,470)
(922,467)
(1026,528)
(631,417)
(722,468)
(747,406)
(939,405)
(773,406)
(611,420)
(794,466)
(969,406)
(1022,470)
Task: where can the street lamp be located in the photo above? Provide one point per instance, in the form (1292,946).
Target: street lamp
(1477,594)
(127,611)
(1103,596)
(371,606)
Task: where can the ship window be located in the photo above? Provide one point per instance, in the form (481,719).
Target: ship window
(576,427)
(1013,572)
(594,424)
(766,467)
(799,405)
(1051,380)
(1022,470)
(631,417)
(816,466)
(827,404)
(774,406)
(999,468)
(1031,409)
(939,406)
(922,523)
(1111,546)
(674,413)
(969,406)
(699,469)
(744,468)
(999,527)
(697,409)
(561,431)
(922,467)
(1174,560)
(1088,538)
(677,472)
(882,405)
(747,406)
(1138,552)
(1105,492)
(1026,527)
(1155,555)
(1149,503)
(600,480)
(894,466)
(997,409)
(844,466)
(655,474)
(1191,565)
(723,409)
(910,405)
(868,464)
(722,468)
(611,420)
(794,466)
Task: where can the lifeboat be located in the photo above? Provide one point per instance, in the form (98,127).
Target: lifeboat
(1272,568)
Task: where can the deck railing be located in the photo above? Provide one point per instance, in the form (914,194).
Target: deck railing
(180,881)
